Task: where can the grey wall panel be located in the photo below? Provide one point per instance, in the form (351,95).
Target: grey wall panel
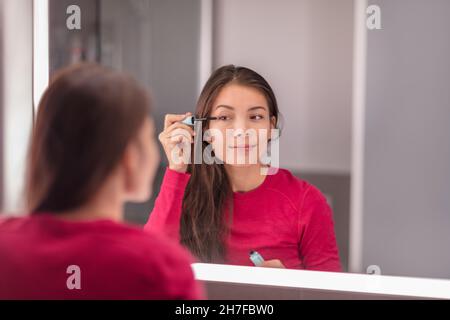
(406,216)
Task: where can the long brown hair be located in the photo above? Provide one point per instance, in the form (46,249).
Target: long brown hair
(85,120)
(207,203)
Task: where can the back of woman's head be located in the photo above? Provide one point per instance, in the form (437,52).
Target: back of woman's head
(85,120)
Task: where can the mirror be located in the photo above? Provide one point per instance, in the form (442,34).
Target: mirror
(362,87)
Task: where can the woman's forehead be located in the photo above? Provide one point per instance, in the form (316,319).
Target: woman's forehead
(238,98)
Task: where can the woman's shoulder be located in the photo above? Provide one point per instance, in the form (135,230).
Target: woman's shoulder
(162,264)
(284,179)
(294,187)
(147,244)
(153,255)
(141,254)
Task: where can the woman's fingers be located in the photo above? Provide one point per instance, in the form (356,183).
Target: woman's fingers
(180,138)
(173,118)
(273,264)
(176,136)
(177,126)
(176,139)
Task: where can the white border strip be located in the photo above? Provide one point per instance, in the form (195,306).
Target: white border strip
(40,50)
(326,281)
(206,42)
(359,100)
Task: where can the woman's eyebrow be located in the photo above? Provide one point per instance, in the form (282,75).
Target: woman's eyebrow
(231,108)
(225,106)
(256,108)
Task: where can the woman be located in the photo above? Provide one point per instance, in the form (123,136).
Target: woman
(222,211)
(92,149)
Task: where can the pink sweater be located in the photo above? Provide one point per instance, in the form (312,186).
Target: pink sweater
(285,218)
(115,261)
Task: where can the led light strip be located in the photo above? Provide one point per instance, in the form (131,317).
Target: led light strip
(327,281)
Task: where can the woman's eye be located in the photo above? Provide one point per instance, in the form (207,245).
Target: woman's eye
(257,117)
(223,118)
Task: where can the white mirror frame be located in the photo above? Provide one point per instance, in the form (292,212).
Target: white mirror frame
(359,94)
(271,281)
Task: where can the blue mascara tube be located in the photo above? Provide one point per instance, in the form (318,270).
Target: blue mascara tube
(256,258)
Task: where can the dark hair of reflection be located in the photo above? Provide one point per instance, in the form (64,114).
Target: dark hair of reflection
(86,118)
(208,203)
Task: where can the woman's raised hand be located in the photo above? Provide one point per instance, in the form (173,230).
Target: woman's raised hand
(177,139)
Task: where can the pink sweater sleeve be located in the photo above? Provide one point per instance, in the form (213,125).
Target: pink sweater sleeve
(166,214)
(317,245)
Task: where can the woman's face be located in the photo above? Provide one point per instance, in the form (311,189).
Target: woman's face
(242,129)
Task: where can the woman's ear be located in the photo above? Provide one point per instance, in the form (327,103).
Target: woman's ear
(273,122)
(273,125)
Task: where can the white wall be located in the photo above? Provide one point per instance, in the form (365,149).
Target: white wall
(304,49)
(16,99)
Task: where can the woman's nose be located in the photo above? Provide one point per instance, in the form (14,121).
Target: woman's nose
(240,128)
(239,132)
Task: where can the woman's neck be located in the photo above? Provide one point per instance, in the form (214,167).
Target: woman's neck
(105,205)
(93,212)
(245,178)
